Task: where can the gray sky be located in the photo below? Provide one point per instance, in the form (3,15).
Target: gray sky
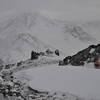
(67,9)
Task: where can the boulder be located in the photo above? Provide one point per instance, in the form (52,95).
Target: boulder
(57,52)
(34,55)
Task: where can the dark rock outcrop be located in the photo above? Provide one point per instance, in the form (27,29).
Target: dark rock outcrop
(34,55)
(90,54)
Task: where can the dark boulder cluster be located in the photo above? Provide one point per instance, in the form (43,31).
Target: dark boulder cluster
(35,55)
(90,54)
(10,86)
(50,52)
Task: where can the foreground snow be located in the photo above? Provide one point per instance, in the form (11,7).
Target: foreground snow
(75,80)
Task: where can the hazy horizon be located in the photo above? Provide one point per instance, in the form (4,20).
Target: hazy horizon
(61,9)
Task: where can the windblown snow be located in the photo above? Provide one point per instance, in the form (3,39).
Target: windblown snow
(23,32)
(20,29)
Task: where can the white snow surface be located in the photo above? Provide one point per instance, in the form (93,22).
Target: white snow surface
(65,36)
(79,81)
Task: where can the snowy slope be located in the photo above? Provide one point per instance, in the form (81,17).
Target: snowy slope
(92,27)
(59,34)
(18,47)
(82,82)
(21,33)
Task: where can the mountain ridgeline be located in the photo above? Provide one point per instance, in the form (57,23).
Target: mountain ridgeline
(33,31)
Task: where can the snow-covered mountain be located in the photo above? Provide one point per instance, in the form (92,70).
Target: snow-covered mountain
(40,24)
(19,47)
(16,44)
(20,33)
(93,28)
(28,21)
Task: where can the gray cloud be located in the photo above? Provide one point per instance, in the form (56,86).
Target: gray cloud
(59,8)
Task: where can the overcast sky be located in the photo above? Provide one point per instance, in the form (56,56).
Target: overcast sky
(75,9)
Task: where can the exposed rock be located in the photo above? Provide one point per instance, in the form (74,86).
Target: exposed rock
(90,54)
